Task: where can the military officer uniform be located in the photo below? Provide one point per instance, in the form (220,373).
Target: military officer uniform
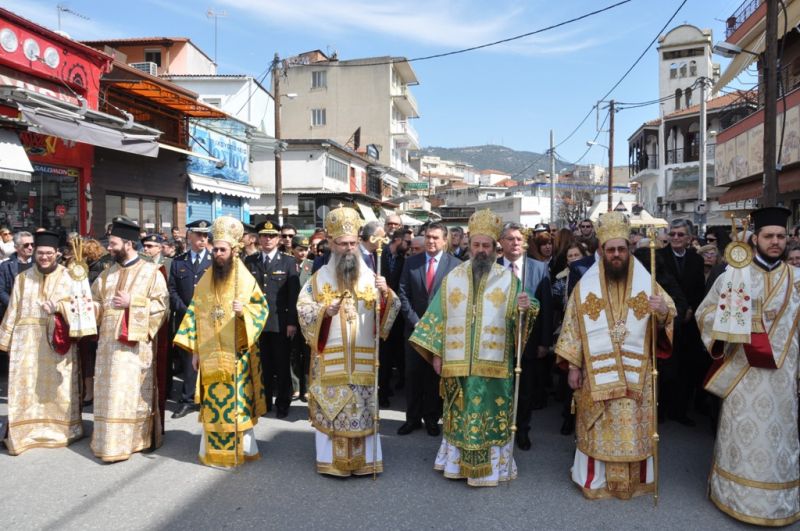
(276,274)
(185,273)
(160,259)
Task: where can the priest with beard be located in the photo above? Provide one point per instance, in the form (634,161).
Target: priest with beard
(131,302)
(336,309)
(749,324)
(43,386)
(468,333)
(221,329)
(606,342)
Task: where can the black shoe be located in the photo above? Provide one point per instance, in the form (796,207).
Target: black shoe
(523,441)
(432,428)
(408,427)
(184,409)
(383,402)
(282,413)
(568,426)
(304,397)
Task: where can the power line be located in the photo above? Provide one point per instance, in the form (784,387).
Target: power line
(488,44)
(636,62)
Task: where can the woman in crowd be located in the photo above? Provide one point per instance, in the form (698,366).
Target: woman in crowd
(793,254)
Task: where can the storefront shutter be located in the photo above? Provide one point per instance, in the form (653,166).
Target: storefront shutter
(231,206)
(199,206)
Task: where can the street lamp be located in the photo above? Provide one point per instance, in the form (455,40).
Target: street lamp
(726,49)
(591,143)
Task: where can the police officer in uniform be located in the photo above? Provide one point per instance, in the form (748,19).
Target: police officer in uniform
(185,273)
(276,274)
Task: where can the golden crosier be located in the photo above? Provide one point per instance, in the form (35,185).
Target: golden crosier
(486,223)
(612,226)
(227,229)
(343,221)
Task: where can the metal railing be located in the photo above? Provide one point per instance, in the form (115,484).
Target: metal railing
(733,22)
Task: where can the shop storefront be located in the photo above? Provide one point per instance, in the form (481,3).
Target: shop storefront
(220,186)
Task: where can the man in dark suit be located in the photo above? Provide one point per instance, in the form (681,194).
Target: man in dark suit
(684,369)
(368,249)
(534,358)
(18,262)
(184,274)
(421,277)
(276,274)
(392,352)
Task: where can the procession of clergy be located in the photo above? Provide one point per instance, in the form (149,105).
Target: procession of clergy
(470,335)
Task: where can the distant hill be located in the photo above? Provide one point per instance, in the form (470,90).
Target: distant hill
(491,157)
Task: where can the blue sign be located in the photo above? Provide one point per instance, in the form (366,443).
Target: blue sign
(233,153)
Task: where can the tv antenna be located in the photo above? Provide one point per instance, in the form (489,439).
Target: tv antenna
(64,9)
(216,15)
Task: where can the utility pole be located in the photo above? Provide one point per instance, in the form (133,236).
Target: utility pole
(610,154)
(701,183)
(552,178)
(276,94)
(771,103)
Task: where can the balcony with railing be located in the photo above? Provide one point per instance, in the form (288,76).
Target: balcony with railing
(745,11)
(405,101)
(690,154)
(404,128)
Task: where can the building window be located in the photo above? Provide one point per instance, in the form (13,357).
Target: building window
(214,102)
(678,94)
(153,214)
(319,79)
(673,70)
(318,117)
(693,68)
(152,56)
(688,94)
(336,169)
(683,69)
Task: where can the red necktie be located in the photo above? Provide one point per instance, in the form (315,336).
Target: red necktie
(431,274)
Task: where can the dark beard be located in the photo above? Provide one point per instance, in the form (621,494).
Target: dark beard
(481,264)
(48,270)
(119,257)
(222,271)
(614,272)
(347,269)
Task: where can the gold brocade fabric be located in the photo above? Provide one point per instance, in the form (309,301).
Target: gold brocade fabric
(124,390)
(231,396)
(341,399)
(43,399)
(615,430)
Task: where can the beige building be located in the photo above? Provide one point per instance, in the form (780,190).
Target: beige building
(159,55)
(333,99)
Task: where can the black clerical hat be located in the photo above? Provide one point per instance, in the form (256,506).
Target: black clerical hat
(125,228)
(46,238)
(766,216)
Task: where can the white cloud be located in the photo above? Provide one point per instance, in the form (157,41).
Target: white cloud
(431,22)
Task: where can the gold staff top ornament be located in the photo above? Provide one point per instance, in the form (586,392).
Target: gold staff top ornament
(77,267)
(738,253)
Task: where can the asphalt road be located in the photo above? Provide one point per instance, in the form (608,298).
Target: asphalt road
(169,489)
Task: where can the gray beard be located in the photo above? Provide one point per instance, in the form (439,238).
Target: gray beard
(347,270)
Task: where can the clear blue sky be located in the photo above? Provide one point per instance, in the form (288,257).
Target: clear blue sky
(511,94)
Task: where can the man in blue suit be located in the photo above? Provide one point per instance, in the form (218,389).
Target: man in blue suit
(534,366)
(421,277)
(185,272)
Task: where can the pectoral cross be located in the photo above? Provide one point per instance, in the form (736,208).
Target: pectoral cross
(618,333)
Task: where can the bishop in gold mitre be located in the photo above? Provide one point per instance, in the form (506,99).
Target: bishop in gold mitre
(336,309)
(220,330)
(605,341)
(468,334)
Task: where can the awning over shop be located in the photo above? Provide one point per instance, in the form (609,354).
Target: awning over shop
(14,163)
(743,191)
(201,183)
(366,211)
(46,122)
(409,221)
